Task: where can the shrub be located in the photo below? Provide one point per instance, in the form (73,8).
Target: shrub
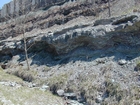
(137,68)
(28,76)
(57,82)
(135,93)
(113,89)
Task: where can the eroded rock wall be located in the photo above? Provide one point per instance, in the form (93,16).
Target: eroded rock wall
(124,30)
(43,19)
(19,7)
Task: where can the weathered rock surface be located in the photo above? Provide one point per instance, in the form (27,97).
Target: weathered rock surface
(20,7)
(66,40)
(43,19)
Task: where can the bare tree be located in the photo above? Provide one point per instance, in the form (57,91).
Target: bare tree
(22,11)
(25,45)
(24,30)
(21,22)
(109,12)
(25,11)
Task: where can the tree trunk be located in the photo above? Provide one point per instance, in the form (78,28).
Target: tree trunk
(109,12)
(25,49)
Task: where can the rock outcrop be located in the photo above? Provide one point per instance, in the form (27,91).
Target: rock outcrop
(44,19)
(121,31)
(19,7)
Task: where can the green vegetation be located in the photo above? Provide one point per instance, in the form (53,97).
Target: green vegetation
(7,77)
(135,93)
(57,82)
(25,75)
(137,68)
(23,95)
(111,88)
(114,90)
(58,79)
(46,69)
(26,96)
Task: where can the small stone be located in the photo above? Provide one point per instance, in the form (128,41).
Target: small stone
(99,99)
(12,84)
(112,80)
(60,92)
(122,62)
(31,85)
(3,66)
(34,85)
(69,94)
(44,88)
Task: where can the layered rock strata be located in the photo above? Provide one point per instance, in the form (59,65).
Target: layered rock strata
(123,30)
(44,19)
(20,7)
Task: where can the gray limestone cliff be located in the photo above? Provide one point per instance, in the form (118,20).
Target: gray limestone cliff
(18,7)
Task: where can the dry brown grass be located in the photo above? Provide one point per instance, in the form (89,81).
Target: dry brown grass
(26,75)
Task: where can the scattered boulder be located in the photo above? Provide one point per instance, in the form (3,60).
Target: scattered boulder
(99,99)
(70,95)
(60,92)
(101,61)
(3,66)
(31,85)
(122,62)
(44,88)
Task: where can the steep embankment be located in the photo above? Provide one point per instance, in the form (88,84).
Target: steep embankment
(77,52)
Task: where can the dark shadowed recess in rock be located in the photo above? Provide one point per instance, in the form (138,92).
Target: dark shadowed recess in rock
(86,54)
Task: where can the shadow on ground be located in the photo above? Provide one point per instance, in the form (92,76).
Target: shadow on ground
(85,54)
